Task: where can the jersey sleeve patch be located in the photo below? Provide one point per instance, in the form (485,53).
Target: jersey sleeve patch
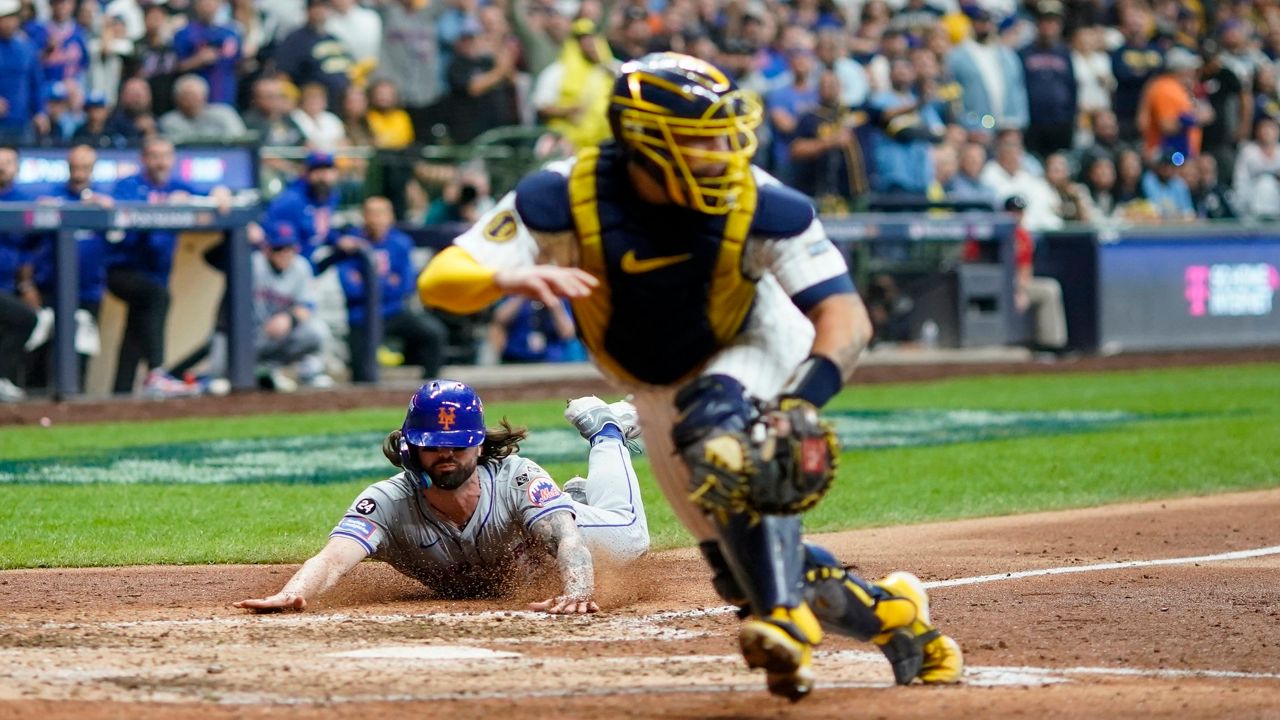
(361,527)
(781,212)
(542,199)
(543,491)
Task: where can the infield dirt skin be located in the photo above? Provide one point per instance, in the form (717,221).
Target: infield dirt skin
(1190,640)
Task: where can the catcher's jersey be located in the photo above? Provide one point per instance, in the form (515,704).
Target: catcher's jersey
(669,277)
(395,524)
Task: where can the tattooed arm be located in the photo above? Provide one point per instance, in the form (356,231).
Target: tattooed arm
(562,539)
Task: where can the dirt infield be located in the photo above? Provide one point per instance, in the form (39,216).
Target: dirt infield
(1194,637)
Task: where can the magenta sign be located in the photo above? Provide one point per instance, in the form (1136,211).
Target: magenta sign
(1231,289)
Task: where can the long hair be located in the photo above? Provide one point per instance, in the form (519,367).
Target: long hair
(502,441)
(499,442)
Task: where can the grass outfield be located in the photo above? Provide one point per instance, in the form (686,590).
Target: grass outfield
(1198,431)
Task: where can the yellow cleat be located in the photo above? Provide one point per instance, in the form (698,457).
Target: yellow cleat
(782,645)
(914,647)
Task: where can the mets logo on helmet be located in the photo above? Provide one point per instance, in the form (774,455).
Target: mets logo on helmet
(446,418)
(542,491)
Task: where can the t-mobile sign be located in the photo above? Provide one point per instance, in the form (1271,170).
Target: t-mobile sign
(1231,290)
(1166,293)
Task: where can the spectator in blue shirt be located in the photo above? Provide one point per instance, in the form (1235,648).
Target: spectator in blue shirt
(18,295)
(63,45)
(21,80)
(422,335)
(138,273)
(210,50)
(902,158)
(309,203)
(524,330)
(1166,190)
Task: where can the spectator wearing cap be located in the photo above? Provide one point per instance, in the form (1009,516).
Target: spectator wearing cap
(209,49)
(154,59)
(284,305)
(196,119)
(63,118)
(64,47)
(1257,172)
(22,113)
(309,203)
(826,158)
(481,80)
(1169,115)
(1133,63)
(1051,84)
(990,73)
(1041,296)
(422,335)
(1165,189)
(905,131)
(138,272)
(93,131)
(572,94)
(268,115)
(311,55)
(410,58)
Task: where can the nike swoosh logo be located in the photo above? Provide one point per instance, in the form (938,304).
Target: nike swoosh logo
(633,266)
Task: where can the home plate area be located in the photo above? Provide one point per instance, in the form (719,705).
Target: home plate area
(343,658)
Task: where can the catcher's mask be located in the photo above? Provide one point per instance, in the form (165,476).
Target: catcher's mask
(442,413)
(689,126)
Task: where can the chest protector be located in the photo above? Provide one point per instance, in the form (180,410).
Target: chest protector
(672,288)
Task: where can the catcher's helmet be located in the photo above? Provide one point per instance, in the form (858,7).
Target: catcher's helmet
(689,124)
(442,413)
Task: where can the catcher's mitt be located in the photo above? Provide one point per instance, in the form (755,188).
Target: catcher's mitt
(784,466)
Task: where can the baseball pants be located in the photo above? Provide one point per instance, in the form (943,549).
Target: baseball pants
(612,519)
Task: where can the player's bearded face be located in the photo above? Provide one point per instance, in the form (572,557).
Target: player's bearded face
(449,468)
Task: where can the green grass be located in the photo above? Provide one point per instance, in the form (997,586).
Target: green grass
(1203,431)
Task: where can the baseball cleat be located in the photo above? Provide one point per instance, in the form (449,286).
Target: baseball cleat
(774,644)
(590,414)
(914,647)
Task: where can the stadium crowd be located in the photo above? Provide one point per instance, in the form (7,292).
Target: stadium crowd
(1087,110)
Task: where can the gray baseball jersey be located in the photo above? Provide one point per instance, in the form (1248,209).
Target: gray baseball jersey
(395,524)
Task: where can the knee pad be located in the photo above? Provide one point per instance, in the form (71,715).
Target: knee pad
(844,603)
(709,404)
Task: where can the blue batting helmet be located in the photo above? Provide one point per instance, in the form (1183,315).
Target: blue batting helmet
(442,413)
(678,116)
